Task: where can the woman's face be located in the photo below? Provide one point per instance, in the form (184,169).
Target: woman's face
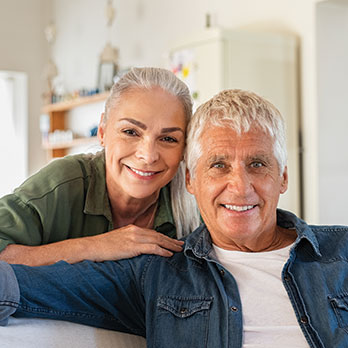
(144,140)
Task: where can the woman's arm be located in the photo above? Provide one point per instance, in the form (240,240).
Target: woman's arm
(125,242)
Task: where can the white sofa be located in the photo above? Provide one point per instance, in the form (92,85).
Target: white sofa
(44,333)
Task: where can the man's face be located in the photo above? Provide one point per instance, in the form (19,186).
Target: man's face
(237,184)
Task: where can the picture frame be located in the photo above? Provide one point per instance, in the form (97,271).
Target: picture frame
(107,71)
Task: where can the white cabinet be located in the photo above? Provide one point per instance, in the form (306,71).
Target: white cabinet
(14,123)
(263,62)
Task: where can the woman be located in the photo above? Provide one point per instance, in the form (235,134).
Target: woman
(115,204)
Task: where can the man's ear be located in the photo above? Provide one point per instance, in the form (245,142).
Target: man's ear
(189,183)
(285,180)
(101,130)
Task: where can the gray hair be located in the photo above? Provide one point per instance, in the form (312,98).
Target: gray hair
(147,78)
(240,110)
(184,206)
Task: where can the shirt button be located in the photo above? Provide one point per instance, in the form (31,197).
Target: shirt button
(304,320)
(234,309)
(222,272)
(183,310)
(286,277)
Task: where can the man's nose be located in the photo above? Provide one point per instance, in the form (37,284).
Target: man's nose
(147,151)
(239,181)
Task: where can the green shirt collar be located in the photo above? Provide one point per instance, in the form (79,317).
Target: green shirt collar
(97,200)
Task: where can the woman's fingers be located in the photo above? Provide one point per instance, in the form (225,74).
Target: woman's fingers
(131,241)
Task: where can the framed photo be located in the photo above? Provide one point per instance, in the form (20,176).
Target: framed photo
(107,71)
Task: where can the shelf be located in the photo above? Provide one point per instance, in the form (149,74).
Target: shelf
(73,103)
(73,143)
(58,112)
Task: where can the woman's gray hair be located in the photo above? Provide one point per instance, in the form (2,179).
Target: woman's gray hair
(184,206)
(240,110)
(147,78)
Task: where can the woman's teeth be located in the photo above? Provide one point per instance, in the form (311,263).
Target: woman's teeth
(142,173)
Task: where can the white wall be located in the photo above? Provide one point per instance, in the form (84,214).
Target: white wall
(23,48)
(144,31)
(332,70)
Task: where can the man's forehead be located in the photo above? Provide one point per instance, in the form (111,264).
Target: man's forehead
(221,143)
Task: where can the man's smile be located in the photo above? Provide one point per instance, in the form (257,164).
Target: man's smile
(238,208)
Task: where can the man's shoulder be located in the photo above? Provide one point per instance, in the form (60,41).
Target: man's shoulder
(332,233)
(332,241)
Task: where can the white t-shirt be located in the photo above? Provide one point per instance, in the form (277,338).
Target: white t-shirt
(269,320)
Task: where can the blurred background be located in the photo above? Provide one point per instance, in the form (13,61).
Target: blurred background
(59,57)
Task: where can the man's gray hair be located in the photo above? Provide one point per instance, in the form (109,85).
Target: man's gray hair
(240,110)
(184,206)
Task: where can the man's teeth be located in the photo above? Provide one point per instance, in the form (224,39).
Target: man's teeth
(238,207)
(142,173)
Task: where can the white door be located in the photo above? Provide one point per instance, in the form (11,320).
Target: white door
(13,130)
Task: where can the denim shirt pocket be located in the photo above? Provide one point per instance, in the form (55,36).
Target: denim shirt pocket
(182,321)
(339,304)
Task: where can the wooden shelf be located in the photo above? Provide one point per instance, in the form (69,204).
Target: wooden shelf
(73,143)
(58,113)
(73,103)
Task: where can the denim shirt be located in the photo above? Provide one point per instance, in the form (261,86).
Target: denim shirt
(189,300)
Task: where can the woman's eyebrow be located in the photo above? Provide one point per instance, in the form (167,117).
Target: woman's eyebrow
(135,122)
(171,129)
(144,127)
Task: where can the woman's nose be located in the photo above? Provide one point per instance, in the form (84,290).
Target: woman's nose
(147,151)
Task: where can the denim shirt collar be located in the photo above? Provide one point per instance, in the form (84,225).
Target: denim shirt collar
(304,232)
(198,244)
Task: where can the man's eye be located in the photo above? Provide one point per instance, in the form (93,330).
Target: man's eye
(130,132)
(169,140)
(218,165)
(257,165)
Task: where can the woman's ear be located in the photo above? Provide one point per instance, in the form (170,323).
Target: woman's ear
(101,130)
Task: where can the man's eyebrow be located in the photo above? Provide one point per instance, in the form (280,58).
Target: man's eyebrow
(261,156)
(172,129)
(135,122)
(217,158)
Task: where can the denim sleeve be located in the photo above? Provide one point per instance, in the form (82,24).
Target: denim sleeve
(9,292)
(106,295)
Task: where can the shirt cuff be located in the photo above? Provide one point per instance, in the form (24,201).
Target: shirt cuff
(9,292)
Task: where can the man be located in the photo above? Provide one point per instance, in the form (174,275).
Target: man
(250,276)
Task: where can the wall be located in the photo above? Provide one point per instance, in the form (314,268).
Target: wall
(145,30)
(332,70)
(23,48)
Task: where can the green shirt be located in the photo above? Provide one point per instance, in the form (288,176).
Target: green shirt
(67,199)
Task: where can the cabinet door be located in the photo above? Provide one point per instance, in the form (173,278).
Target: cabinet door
(266,63)
(199,65)
(262,62)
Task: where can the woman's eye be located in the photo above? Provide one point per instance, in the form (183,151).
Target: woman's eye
(169,140)
(130,132)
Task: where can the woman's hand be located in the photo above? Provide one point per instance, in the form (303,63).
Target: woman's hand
(130,241)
